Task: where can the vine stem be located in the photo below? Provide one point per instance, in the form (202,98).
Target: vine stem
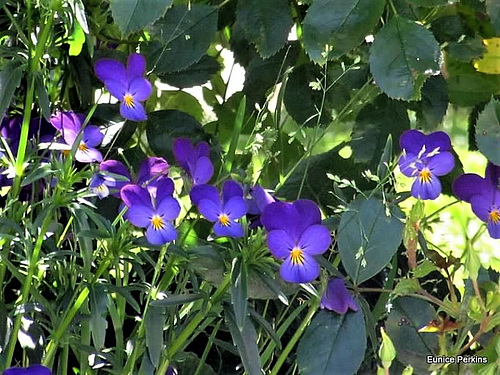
(296,336)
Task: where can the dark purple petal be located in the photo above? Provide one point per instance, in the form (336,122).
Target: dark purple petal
(184,152)
(426,190)
(300,273)
(136,66)
(315,240)
(470,184)
(280,215)
(106,69)
(203,149)
(164,189)
(200,192)
(481,207)
(236,207)
(441,164)
(412,141)
(203,171)
(92,136)
(437,140)
(31,370)
(140,89)
(280,243)
(134,113)
(337,298)
(231,189)
(494,229)
(492,175)
(116,88)
(151,168)
(408,164)
(168,208)
(261,198)
(89,155)
(140,215)
(209,209)
(116,167)
(161,236)
(134,194)
(309,214)
(234,230)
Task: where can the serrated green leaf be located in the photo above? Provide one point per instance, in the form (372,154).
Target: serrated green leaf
(488,131)
(434,103)
(194,75)
(404,53)
(329,340)
(493,9)
(424,268)
(134,15)
(10,79)
(266,23)
(184,34)
(406,286)
(368,237)
(467,49)
(342,25)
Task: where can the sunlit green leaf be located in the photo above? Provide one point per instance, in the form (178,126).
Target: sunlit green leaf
(134,15)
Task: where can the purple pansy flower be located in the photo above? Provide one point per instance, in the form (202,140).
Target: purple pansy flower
(116,176)
(69,124)
(260,199)
(100,184)
(127,84)
(337,298)
(223,212)
(151,172)
(195,160)
(296,236)
(31,370)
(484,196)
(425,157)
(154,214)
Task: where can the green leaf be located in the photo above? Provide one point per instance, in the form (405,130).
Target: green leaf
(402,56)
(369,235)
(134,15)
(239,292)
(194,75)
(76,40)
(434,103)
(342,25)
(98,306)
(406,317)
(266,23)
(178,299)
(186,363)
(493,9)
(246,342)
(430,3)
(332,344)
(185,35)
(467,49)
(10,79)
(163,126)
(154,322)
(488,131)
(406,286)
(42,97)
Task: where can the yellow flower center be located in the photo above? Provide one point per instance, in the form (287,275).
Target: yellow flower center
(157,222)
(297,256)
(129,100)
(224,220)
(425,175)
(494,216)
(83,147)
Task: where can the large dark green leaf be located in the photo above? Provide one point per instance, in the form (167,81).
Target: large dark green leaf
(406,317)
(369,234)
(266,23)
(332,344)
(488,132)
(341,25)
(185,35)
(434,103)
(402,56)
(493,9)
(134,15)
(10,78)
(194,75)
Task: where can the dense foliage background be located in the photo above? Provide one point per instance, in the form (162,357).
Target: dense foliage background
(329,87)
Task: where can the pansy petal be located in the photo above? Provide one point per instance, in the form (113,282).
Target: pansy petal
(134,113)
(92,135)
(261,198)
(90,155)
(169,208)
(280,243)
(134,194)
(234,230)
(116,88)
(308,212)
(184,152)
(106,69)
(116,167)
(203,171)
(493,229)
(492,174)
(408,164)
(426,190)
(412,141)
(280,215)
(200,192)
(236,207)
(337,298)
(150,168)
(164,189)
(31,370)
(437,140)
(300,273)
(209,209)
(161,236)
(441,164)
(481,207)
(140,215)
(136,65)
(231,189)
(203,149)
(315,240)
(470,184)
(140,89)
